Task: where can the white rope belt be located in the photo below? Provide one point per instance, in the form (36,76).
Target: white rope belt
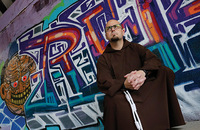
(134,112)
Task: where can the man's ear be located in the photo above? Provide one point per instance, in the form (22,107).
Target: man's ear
(123,29)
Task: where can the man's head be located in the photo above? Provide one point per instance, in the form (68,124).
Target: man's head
(114,31)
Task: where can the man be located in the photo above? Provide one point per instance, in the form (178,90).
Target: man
(132,67)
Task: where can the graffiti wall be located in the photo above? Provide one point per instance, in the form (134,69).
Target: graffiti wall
(48,71)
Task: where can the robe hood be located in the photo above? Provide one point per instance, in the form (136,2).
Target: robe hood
(109,49)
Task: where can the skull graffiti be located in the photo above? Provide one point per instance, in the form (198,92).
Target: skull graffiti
(15,87)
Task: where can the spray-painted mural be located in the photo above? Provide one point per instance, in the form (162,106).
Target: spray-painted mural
(49,78)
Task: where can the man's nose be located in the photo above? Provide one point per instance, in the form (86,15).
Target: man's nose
(113,28)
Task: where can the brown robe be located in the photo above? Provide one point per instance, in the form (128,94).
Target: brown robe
(156,100)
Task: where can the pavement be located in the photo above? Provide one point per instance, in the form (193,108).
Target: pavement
(194,125)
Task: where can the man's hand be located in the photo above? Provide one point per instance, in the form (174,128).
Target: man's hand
(134,80)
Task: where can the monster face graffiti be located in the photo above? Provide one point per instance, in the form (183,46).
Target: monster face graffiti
(15,87)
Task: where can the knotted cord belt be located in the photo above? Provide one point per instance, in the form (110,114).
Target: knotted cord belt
(133,108)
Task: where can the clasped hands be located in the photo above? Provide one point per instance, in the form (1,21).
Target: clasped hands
(134,80)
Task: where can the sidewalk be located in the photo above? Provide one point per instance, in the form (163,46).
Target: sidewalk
(194,125)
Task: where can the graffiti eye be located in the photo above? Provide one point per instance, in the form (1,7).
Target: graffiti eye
(14,84)
(25,77)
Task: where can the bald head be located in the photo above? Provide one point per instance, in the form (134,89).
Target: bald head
(112,22)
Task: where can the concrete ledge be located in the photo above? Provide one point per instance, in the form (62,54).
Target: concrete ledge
(194,125)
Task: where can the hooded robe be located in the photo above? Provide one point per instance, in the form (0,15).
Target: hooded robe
(156,100)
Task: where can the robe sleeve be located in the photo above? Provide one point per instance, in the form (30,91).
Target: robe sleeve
(105,80)
(149,60)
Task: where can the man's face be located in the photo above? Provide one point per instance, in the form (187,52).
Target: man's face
(114,31)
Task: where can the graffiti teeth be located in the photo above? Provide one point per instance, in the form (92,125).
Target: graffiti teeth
(20,98)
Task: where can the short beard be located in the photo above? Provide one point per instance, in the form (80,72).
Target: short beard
(114,39)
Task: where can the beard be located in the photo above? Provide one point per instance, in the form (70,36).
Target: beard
(114,39)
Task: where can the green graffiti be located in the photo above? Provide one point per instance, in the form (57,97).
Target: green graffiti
(166,55)
(1,66)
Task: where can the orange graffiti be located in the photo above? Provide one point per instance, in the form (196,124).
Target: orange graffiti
(109,3)
(74,39)
(71,34)
(149,21)
(194,9)
(135,30)
(143,22)
(91,29)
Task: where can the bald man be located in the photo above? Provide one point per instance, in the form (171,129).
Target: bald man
(130,66)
